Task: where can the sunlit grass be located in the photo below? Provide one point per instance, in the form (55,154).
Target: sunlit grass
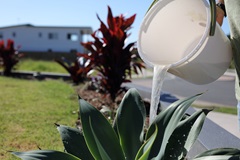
(29,110)
(40,66)
(221,109)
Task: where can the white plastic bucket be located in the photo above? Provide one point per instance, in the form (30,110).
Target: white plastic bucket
(176,33)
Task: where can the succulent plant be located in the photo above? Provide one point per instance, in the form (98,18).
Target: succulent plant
(170,136)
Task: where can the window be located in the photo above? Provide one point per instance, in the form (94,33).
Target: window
(72,37)
(52,36)
(39,34)
(14,34)
(1,35)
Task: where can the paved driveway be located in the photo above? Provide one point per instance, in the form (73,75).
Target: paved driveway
(220,92)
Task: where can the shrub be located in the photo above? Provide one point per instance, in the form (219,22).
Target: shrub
(9,57)
(77,69)
(109,56)
(170,136)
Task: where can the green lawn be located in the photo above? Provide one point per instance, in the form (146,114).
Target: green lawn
(39,66)
(221,109)
(29,110)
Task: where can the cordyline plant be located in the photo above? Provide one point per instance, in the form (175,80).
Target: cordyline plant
(9,57)
(109,56)
(169,137)
(77,69)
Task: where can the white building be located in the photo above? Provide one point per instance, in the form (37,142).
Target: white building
(32,38)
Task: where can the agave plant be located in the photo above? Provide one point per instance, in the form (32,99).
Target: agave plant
(9,57)
(170,136)
(109,55)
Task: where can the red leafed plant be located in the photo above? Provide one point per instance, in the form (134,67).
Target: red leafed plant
(9,57)
(109,56)
(77,69)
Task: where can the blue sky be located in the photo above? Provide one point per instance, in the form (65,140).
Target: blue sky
(73,12)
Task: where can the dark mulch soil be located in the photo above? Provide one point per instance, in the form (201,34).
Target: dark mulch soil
(101,100)
(97,99)
(103,103)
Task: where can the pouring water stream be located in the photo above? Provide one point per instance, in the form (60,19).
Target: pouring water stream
(159,73)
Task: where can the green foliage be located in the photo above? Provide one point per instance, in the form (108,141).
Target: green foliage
(109,56)
(74,142)
(219,154)
(44,155)
(170,136)
(9,57)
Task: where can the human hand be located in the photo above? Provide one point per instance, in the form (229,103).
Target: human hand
(220,13)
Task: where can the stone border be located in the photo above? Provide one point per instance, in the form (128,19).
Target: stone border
(39,75)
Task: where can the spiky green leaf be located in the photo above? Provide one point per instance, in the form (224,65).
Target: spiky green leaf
(196,128)
(74,142)
(129,123)
(167,121)
(219,154)
(145,149)
(98,133)
(102,151)
(185,135)
(215,157)
(44,155)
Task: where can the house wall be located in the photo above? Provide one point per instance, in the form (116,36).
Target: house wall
(44,39)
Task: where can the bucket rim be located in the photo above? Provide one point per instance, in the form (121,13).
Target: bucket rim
(150,14)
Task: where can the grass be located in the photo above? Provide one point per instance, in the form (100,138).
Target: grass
(221,109)
(39,66)
(29,110)
(228,110)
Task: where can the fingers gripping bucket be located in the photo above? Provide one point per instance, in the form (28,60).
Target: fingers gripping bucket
(178,33)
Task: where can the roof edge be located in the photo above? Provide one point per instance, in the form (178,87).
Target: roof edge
(34,26)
